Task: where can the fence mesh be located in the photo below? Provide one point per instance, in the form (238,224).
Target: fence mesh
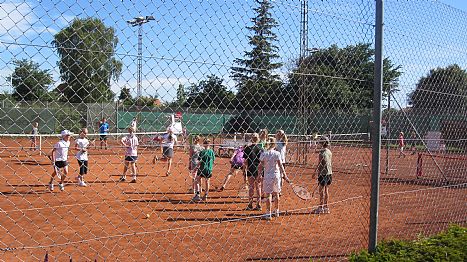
(224,70)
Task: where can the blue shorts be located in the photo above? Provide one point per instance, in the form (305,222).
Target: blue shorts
(131,158)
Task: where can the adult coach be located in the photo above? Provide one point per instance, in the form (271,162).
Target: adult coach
(103,131)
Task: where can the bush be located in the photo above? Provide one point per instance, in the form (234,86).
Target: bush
(447,246)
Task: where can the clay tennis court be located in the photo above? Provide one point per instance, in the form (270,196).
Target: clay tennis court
(107,220)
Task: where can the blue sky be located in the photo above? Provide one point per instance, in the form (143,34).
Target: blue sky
(194,38)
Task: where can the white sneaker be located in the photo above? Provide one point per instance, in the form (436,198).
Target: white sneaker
(81,183)
(61,186)
(276,213)
(51,187)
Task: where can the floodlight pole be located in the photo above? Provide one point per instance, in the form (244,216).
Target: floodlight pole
(139,21)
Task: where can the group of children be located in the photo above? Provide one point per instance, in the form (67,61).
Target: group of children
(262,163)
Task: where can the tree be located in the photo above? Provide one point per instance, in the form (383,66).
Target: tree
(442,90)
(87,60)
(125,96)
(181,96)
(210,93)
(256,82)
(339,79)
(29,81)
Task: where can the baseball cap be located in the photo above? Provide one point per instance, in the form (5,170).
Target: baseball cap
(65,133)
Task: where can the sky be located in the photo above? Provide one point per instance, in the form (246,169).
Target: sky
(191,39)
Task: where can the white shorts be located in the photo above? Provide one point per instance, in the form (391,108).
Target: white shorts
(272,183)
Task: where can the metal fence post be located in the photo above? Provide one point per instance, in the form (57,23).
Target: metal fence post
(376,130)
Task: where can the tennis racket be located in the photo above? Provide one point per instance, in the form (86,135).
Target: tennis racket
(243,192)
(56,169)
(301,191)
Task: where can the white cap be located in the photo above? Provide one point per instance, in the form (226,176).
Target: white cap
(65,133)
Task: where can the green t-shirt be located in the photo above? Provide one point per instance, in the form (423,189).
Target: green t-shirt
(206,158)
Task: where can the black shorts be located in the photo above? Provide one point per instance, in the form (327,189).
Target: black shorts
(167,152)
(102,137)
(204,174)
(131,158)
(325,180)
(236,166)
(61,164)
(252,172)
(83,167)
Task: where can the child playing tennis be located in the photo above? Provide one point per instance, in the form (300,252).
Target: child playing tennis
(251,154)
(81,145)
(401,144)
(60,159)
(130,142)
(195,149)
(34,133)
(168,142)
(206,162)
(271,163)
(281,144)
(263,137)
(236,164)
(324,171)
(103,131)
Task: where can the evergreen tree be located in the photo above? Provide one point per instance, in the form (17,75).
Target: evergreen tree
(258,86)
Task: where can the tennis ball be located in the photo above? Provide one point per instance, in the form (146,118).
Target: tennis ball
(147,215)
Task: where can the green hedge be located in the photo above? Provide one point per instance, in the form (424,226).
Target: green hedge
(446,246)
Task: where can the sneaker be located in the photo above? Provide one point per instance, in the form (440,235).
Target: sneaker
(267,216)
(122,179)
(258,207)
(167,174)
(196,198)
(222,188)
(249,207)
(61,186)
(205,197)
(326,210)
(133,180)
(81,183)
(276,213)
(318,210)
(51,187)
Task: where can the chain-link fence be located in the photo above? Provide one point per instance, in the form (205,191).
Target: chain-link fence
(223,71)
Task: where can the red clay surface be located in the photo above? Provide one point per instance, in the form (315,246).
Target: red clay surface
(107,220)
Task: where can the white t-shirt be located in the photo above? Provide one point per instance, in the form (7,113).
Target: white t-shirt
(281,148)
(269,159)
(131,143)
(82,143)
(167,143)
(61,150)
